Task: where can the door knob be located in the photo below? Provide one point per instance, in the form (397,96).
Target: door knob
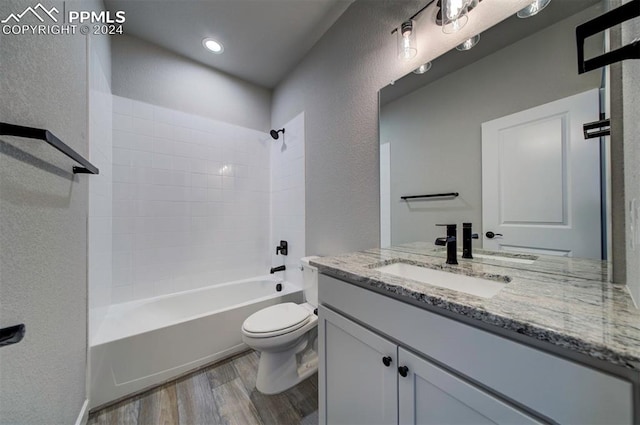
(403,371)
(387,361)
(492,235)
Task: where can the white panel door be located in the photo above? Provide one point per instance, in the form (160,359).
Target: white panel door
(430,395)
(357,387)
(541,180)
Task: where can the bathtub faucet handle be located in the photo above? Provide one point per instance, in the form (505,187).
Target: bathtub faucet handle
(283,248)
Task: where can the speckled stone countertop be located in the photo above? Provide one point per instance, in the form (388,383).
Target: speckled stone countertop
(566,302)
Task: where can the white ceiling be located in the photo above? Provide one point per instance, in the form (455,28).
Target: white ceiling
(263,39)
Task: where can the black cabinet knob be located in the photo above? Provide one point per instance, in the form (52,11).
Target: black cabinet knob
(387,361)
(492,235)
(403,371)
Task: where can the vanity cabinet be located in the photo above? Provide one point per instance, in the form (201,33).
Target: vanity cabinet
(371,380)
(456,373)
(360,387)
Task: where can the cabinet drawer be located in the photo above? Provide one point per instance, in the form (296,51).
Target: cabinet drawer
(559,389)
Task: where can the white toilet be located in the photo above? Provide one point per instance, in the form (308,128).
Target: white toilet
(286,337)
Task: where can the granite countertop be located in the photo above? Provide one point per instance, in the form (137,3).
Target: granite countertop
(567,302)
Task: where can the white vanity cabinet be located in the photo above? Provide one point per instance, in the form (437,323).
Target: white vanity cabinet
(370,380)
(360,388)
(455,373)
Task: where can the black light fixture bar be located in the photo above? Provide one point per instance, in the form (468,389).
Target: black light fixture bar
(618,15)
(433,195)
(47,136)
(415,14)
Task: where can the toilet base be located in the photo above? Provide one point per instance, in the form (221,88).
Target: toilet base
(279,371)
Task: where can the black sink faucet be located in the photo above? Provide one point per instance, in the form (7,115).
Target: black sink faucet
(467,235)
(450,242)
(277,269)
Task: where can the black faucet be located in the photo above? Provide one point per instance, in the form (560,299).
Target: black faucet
(450,242)
(466,240)
(277,269)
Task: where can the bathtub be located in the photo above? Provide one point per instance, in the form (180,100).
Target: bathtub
(144,343)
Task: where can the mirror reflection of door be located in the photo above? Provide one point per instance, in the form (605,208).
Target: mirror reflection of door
(541,180)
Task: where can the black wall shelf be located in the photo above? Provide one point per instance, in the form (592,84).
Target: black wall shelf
(45,135)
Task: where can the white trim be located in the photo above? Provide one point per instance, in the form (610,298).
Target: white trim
(83,416)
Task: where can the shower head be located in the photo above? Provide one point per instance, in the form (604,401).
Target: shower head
(274,133)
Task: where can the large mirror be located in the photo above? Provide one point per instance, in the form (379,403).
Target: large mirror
(500,125)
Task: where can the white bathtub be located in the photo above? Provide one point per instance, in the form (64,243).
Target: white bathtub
(144,343)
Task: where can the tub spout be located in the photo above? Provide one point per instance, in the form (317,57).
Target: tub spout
(277,269)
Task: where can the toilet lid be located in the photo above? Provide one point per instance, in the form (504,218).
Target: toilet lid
(276,318)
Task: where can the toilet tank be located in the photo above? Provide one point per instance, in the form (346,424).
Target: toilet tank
(309,281)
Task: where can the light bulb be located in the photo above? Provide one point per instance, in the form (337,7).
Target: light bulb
(533,9)
(454,15)
(422,68)
(407,47)
(468,44)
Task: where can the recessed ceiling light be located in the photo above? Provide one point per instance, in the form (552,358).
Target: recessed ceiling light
(212,45)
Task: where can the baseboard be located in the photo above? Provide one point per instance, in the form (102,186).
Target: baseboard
(83,416)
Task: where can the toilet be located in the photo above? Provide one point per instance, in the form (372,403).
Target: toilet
(287,338)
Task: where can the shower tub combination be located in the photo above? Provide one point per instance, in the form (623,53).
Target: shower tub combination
(144,343)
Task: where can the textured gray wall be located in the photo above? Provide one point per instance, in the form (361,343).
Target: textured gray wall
(336,86)
(43,225)
(631,105)
(435,131)
(149,73)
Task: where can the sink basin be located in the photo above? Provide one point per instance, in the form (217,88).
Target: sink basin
(480,287)
(506,259)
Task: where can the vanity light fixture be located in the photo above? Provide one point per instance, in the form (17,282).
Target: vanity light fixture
(422,68)
(406,36)
(468,44)
(533,9)
(407,46)
(454,15)
(213,45)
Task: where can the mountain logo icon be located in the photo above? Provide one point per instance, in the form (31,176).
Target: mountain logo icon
(34,11)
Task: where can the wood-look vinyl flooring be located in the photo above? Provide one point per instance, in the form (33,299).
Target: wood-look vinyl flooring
(225,393)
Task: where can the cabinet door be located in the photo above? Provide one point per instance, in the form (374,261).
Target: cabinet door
(430,395)
(356,387)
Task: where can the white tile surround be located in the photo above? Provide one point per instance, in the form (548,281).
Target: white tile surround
(192,200)
(100,195)
(288,197)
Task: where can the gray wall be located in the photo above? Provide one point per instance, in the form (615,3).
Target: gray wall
(631,105)
(435,132)
(336,85)
(43,226)
(149,73)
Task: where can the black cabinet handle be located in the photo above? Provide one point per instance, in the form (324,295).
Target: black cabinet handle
(403,371)
(387,361)
(492,235)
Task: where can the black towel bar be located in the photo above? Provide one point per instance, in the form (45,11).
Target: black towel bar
(47,136)
(12,334)
(623,13)
(433,195)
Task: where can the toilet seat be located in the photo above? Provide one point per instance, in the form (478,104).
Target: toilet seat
(276,320)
